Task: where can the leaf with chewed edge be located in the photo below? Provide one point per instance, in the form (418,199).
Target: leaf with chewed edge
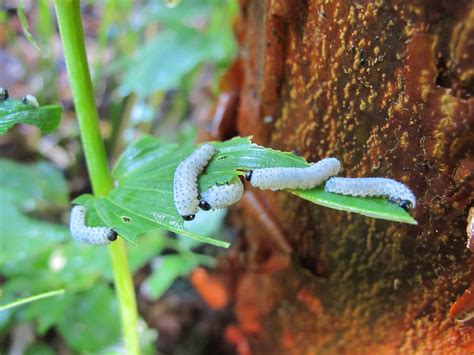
(46,118)
(143,197)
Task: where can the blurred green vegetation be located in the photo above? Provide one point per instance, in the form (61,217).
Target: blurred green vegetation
(147,59)
(194,32)
(38,256)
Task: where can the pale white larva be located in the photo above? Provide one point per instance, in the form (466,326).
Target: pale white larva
(30,100)
(89,235)
(221,196)
(294,178)
(185,187)
(394,190)
(3,94)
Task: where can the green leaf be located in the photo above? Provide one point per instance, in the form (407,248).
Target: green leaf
(162,62)
(166,60)
(144,173)
(181,15)
(29,188)
(46,118)
(143,198)
(72,266)
(33,185)
(22,236)
(49,312)
(371,207)
(86,333)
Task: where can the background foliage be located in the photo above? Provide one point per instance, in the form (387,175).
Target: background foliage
(140,88)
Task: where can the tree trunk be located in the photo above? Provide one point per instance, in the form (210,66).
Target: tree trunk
(386,87)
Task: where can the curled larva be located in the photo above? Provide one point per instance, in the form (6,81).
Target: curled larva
(185,188)
(394,190)
(89,235)
(30,100)
(221,196)
(3,94)
(294,178)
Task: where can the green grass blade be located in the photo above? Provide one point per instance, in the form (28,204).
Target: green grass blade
(31,299)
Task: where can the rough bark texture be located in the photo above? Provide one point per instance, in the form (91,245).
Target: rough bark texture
(386,87)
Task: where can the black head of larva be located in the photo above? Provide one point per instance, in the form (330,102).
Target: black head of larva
(189,217)
(248,175)
(204,205)
(4,94)
(406,205)
(112,236)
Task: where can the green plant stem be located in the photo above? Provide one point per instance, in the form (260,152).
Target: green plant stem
(72,37)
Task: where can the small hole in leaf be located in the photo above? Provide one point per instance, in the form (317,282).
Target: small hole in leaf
(126,219)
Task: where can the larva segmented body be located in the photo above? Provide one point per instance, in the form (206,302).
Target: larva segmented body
(221,196)
(89,235)
(185,187)
(30,100)
(294,178)
(394,190)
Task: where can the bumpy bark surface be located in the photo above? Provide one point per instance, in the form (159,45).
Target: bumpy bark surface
(386,87)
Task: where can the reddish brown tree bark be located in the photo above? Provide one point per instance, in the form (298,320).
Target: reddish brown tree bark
(386,87)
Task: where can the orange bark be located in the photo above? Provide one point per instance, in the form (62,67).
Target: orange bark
(386,87)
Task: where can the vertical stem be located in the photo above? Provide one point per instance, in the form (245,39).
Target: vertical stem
(72,37)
